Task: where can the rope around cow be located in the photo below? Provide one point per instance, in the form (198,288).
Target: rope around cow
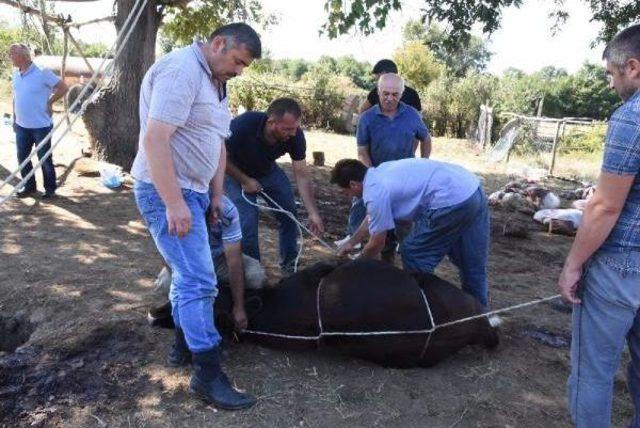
(493,317)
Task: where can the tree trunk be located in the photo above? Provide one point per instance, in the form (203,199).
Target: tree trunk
(112,117)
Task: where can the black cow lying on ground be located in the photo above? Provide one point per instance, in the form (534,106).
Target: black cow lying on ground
(361,296)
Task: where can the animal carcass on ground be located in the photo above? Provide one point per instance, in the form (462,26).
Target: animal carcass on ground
(329,305)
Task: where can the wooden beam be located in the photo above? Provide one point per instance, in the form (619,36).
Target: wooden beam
(27,9)
(93,21)
(77,46)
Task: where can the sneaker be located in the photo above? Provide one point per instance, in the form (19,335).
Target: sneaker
(49,195)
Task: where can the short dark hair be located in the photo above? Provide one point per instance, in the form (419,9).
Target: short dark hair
(624,46)
(347,170)
(385,66)
(240,34)
(281,106)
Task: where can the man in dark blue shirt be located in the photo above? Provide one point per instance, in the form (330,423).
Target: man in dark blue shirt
(257,140)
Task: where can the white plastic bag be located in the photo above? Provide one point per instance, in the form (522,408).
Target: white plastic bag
(111,175)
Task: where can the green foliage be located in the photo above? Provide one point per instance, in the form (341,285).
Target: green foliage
(320,92)
(96,50)
(461,58)
(583,94)
(368,16)
(519,93)
(197,19)
(293,69)
(8,36)
(417,64)
(451,105)
(322,104)
(577,141)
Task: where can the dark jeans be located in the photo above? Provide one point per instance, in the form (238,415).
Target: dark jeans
(26,138)
(461,232)
(277,186)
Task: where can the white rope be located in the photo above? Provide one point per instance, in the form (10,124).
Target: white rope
(428,339)
(285,212)
(48,137)
(398,332)
(293,218)
(499,311)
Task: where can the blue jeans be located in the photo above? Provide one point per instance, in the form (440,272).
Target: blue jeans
(461,232)
(193,278)
(607,316)
(26,138)
(357,213)
(277,186)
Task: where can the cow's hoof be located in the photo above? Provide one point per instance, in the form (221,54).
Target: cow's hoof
(160,316)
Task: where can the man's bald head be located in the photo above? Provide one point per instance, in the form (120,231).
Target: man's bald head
(391,81)
(390,89)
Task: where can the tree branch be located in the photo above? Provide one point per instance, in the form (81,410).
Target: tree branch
(93,21)
(60,20)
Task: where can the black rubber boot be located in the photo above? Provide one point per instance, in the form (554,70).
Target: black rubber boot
(179,355)
(212,385)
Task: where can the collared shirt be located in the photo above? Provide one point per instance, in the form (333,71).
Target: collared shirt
(390,138)
(252,153)
(622,157)
(227,230)
(409,97)
(399,190)
(31,96)
(179,90)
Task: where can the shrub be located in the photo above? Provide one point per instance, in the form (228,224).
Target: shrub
(321,95)
(578,141)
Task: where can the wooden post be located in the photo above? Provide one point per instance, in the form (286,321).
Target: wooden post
(318,158)
(555,147)
(540,104)
(488,126)
(77,46)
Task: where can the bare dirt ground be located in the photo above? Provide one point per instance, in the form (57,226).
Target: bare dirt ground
(76,279)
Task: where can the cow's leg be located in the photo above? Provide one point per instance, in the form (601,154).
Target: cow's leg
(277,186)
(471,251)
(248,217)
